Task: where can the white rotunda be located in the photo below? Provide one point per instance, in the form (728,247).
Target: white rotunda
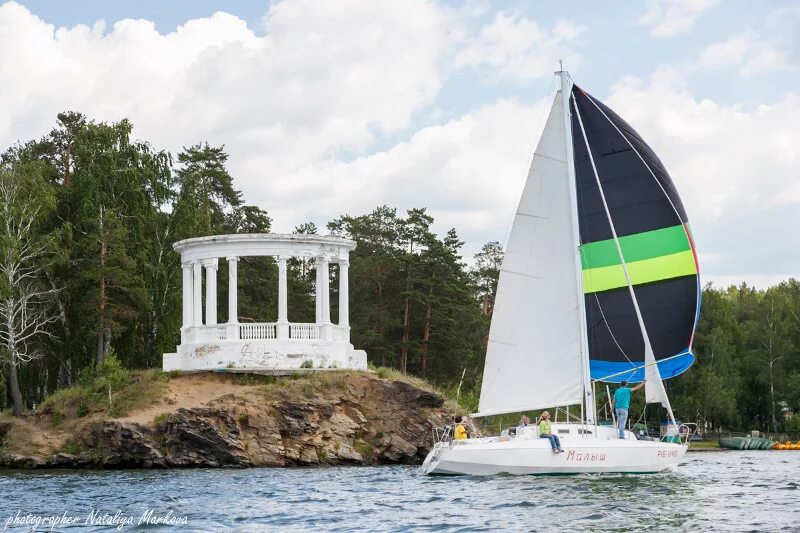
(207,344)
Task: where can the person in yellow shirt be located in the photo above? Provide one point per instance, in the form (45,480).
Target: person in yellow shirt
(546,432)
(459,432)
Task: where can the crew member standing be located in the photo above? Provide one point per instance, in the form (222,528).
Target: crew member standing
(621,404)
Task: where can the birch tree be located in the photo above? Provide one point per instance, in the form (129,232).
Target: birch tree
(26,309)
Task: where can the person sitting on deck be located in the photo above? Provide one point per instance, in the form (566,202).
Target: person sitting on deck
(523,423)
(621,403)
(459,432)
(546,432)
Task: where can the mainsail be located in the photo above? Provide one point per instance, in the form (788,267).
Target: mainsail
(533,358)
(656,243)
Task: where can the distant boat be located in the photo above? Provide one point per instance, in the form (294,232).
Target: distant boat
(745,443)
(599,283)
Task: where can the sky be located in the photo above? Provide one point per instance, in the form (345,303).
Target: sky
(334,107)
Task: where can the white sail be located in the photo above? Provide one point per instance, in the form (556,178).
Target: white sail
(654,391)
(533,359)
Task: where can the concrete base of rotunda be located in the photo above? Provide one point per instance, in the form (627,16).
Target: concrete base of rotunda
(265,355)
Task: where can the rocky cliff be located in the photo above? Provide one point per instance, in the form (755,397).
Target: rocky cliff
(213,420)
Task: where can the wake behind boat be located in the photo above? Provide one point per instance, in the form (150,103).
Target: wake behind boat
(599,283)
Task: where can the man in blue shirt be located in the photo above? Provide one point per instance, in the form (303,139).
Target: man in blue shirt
(621,404)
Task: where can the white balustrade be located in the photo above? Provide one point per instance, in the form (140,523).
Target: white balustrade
(256,332)
(304,331)
(211,333)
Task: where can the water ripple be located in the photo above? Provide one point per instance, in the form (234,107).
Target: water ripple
(734,491)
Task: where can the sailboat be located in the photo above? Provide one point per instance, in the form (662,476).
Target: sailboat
(599,284)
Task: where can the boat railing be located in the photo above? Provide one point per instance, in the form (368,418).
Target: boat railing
(442,433)
(690,429)
(685,433)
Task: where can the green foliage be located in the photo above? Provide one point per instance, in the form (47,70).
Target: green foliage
(129,390)
(111,374)
(384,372)
(322,454)
(308,363)
(793,426)
(365,449)
(111,207)
(70,446)
(748,360)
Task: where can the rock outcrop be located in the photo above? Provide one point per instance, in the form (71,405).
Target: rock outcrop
(356,419)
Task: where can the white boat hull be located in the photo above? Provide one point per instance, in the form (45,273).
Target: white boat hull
(525,456)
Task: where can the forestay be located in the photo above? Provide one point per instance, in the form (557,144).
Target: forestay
(533,358)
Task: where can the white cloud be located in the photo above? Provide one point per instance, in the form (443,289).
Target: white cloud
(747,52)
(668,18)
(735,168)
(469,172)
(327,76)
(517,48)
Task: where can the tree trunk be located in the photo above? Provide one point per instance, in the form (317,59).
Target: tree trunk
(68,166)
(13,380)
(406,328)
(426,330)
(101,330)
(772,397)
(379,322)
(64,365)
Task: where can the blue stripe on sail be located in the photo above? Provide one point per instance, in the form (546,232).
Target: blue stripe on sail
(699,304)
(669,369)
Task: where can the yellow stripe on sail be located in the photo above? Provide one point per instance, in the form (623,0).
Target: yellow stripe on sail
(646,271)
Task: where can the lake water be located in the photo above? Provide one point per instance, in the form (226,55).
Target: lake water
(735,491)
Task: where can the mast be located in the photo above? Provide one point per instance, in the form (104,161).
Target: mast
(566,92)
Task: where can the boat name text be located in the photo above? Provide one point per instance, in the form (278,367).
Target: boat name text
(572,456)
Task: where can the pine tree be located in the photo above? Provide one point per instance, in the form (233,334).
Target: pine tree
(206,188)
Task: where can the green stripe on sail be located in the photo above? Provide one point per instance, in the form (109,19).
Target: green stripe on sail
(646,271)
(637,247)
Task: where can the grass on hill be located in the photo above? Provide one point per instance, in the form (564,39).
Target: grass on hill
(113,391)
(109,389)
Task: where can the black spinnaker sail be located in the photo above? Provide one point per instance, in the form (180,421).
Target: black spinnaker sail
(656,244)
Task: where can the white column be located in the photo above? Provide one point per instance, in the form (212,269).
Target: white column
(318,291)
(233,295)
(344,297)
(232,330)
(187,295)
(187,301)
(197,294)
(211,290)
(326,293)
(283,318)
(327,330)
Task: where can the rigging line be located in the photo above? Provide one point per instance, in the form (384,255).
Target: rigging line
(609,330)
(650,170)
